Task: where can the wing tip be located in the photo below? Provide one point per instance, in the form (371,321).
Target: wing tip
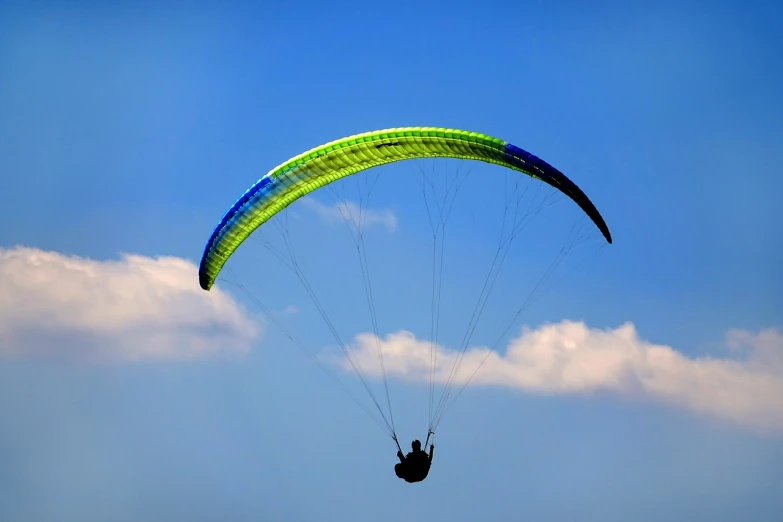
(203,277)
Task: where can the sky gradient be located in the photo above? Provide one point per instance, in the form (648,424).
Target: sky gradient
(647,384)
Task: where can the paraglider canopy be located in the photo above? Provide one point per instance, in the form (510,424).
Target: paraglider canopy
(322,165)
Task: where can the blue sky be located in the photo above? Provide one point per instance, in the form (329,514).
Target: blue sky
(131,394)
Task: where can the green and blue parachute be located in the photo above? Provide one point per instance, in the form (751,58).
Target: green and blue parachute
(322,165)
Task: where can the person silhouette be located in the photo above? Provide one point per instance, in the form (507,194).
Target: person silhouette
(415,466)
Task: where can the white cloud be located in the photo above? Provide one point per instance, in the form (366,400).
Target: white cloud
(350,211)
(291,310)
(569,357)
(134,308)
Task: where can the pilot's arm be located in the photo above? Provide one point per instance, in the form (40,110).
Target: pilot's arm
(432,450)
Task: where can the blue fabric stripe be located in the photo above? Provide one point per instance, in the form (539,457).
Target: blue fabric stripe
(229,217)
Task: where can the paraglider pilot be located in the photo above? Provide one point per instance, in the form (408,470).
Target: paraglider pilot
(415,466)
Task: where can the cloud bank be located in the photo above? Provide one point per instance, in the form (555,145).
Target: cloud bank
(744,387)
(135,308)
(140,308)
(348,210)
